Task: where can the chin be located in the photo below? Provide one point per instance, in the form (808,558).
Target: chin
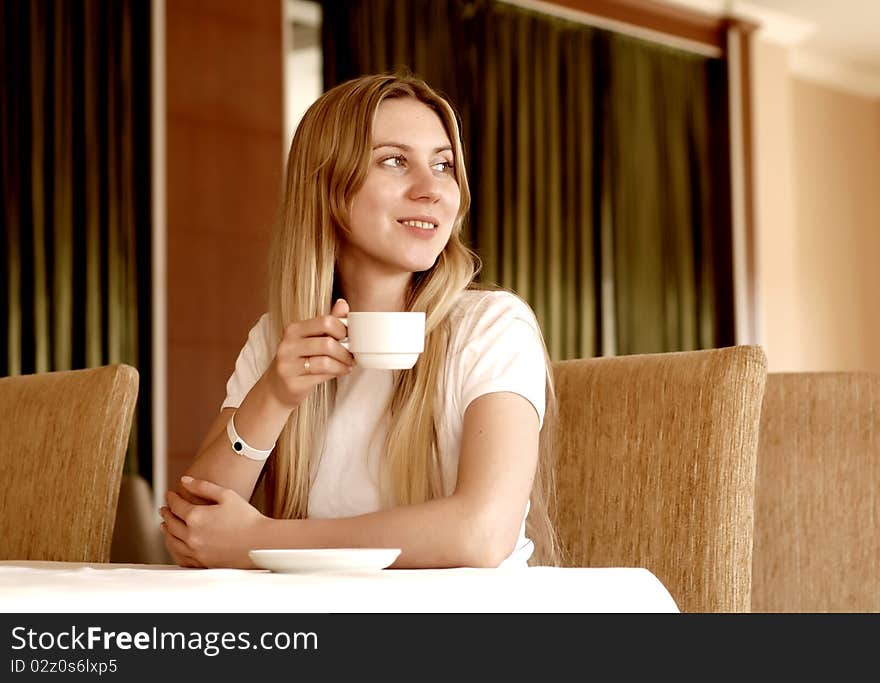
(423,265)
(417,263)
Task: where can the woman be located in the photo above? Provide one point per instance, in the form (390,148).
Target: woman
(441,460)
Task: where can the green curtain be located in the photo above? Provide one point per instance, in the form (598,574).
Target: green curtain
(534,176)
(75,191)
(666,182)
(598,164)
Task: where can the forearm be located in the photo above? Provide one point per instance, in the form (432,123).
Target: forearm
(446,532)
(259,420)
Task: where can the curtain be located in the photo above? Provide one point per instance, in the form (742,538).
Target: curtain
(666,181)
(598,165)
(534,176)
(75,191)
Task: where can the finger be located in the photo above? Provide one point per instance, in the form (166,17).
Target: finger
(321,326)
(175,546)
(315,380)
(203,488)
(324,365)
(311,347)
(167,513)
(181,553)
(191,497)
(340,308)
(174,524)
(178,505)
(178,550)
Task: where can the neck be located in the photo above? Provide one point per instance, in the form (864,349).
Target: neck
(375,292)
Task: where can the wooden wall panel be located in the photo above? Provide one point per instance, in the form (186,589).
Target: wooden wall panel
(224,165)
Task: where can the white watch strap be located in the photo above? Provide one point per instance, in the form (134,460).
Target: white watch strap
(241,446)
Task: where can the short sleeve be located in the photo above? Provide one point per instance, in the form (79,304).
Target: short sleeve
(252,361)
(501,349)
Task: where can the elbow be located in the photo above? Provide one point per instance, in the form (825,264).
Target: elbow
(487,541)
(488,558)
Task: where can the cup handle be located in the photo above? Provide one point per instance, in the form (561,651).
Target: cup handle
(344,340)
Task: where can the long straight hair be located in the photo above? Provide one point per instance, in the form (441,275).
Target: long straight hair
(328,163)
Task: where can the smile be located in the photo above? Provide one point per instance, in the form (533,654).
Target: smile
(424,225)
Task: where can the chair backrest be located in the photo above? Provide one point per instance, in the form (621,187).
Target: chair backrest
(817,503)
(63,439)
(655,468)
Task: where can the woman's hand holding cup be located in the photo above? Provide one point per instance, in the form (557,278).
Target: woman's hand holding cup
(308,354)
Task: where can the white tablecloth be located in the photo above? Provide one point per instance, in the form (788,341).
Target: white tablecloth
(71,587)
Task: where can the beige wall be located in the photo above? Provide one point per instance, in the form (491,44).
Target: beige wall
(224,162)
(837,211)
(817,175)
(775,258)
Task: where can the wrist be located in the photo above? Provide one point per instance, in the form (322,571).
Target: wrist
(259,420)
(265,533)
(242,447)
(271,397)
(277,395)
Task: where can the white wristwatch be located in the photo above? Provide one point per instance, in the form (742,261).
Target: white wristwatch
(241,446)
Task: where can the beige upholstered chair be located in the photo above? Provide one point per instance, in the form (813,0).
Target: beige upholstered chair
(817,498)
(63,438)
(655,466)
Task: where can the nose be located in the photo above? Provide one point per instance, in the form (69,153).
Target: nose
(424,185)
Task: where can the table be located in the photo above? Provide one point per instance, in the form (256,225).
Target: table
(77,587)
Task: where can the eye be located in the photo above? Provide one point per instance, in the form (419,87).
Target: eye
(444,166)
(395,161)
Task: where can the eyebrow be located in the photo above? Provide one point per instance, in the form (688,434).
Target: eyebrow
(407,148)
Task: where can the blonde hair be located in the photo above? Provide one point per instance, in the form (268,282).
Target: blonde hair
(328,162)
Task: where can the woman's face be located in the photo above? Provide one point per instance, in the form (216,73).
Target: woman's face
(402,216)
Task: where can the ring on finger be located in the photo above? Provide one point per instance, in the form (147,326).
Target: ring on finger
(307,365)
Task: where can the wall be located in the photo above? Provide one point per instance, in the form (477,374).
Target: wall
(817,170)
(778,290)
(837,211)
(224,164)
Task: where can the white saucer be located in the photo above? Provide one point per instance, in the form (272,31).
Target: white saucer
(310,560)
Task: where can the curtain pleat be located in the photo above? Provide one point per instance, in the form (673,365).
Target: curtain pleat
(13,129)
(74,137)
(596,164)
(526,168)
(38,190)
(62,206)
(554,276)
(94,336)
(496,126)
(112,187)
(580,290)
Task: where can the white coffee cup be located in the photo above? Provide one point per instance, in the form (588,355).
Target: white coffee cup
(385,340)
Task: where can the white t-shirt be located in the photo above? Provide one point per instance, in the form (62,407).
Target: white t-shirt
(495,346)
